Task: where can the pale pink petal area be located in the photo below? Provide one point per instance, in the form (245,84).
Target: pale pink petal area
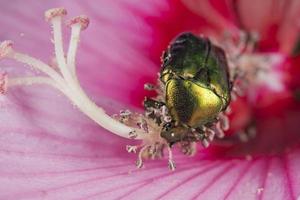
(276,21)
(49,150)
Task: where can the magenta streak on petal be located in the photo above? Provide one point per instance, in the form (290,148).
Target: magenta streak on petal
(188,178)
(52,192)
(265,176)
(276,186)
(293,165)
(160,183)
(140,189)
(140,184)
(290,184)
(192,185)
(215,178)
(226,182)
(239,178)
(248,185)
(51,173)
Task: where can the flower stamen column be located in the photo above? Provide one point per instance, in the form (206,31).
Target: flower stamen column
(67,81)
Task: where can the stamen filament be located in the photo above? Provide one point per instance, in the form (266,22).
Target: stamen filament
(34,80)
(3,83)
(73,45)
(58,46)
(75,34)
(37,64)
(97,114)
(88,107)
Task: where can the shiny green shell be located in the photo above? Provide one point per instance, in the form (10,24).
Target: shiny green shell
(196,79)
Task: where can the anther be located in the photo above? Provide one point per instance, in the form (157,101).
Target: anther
(131,149)
(205,143)
(5,48)
(224,121)
(210,134)
(143,125)
(243,136)
(228,110)
(3,83)
(55,12)
(82,20)
(149,86)
(238,90)
(132,134)
(218,130)
(125,113)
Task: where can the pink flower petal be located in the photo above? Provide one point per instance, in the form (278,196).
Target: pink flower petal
(276,21)
(49,150)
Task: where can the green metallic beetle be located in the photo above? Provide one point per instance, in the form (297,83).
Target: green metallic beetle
(196,84)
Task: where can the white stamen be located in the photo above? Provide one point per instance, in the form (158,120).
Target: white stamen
(243,136)
(218,130)
(3,83)
(59,52)
(96,113)
(74,40)
(68,84)
(33,80)
(82,20)
(5,48)
(210,134)
(224,121)
(37,64)
(55,12)
(77,24)
(131,149)
(205,143)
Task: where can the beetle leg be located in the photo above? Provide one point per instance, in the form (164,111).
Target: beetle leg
(157,111)
(131,149)
(198,134)
(247,134)
(151,106)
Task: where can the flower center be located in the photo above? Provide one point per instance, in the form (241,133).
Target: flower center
(246,69)
(259,84)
